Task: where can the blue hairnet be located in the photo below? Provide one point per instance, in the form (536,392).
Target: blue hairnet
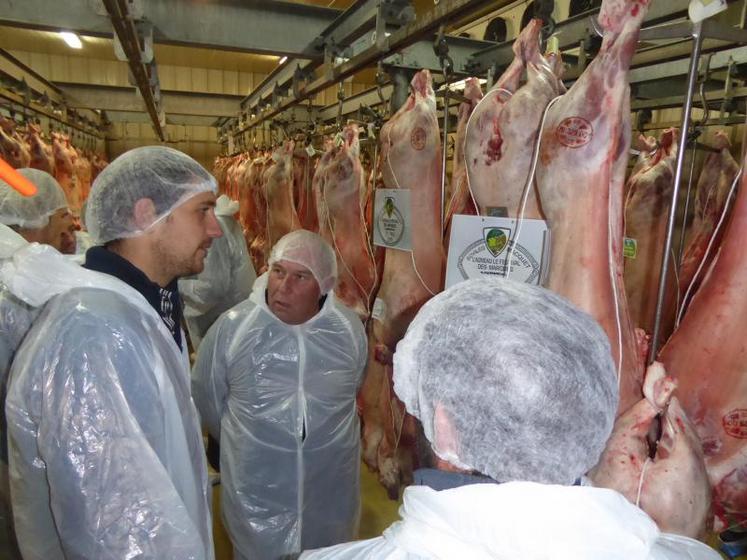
(31,212)
(525,378)
(164,175)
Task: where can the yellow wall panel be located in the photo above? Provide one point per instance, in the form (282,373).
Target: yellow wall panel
(246,83)
(183,78)
(231,82)
(57,68)
(167,76)
(40,63)
(215,81)
(199,79)
(79,71)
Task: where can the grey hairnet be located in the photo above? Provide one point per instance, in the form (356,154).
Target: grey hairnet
(164,175)
(526,379)
(31,212)
(310,250)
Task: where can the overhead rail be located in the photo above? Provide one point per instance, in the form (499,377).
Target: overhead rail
(384,46)
(141,64)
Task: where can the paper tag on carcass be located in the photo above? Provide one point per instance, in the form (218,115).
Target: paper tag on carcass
(275,157)
(630,248)
(553,45)
(379,309)
(339,140)
(310,150)
(371,130)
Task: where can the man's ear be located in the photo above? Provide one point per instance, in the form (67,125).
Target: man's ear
(144,213)
(444,435)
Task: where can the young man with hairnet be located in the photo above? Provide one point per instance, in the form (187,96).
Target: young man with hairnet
(275,381)
(42,218)
(517,392)
(106,455)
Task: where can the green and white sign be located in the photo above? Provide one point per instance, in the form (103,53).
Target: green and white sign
(480,245)
(392,225)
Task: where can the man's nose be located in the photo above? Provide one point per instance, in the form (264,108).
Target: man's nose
(213,227)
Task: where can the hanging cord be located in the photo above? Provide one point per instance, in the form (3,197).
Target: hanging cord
(640,481)
(528,186)
(721,220)
(412,252)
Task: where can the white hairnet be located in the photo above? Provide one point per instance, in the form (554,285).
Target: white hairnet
(525,378)
(164,175)
(310,250)
(224,206)
(31,212)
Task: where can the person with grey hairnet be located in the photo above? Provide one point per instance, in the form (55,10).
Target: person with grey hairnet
(106,454)
(42,218)
(517,392)
(275,382)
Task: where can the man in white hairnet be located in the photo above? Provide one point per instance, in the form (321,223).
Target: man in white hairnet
(275,381)
(43,218)
(226,279)
(106,455)
(517,392)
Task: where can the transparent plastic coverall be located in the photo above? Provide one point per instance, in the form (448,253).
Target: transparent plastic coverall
(281,398)
(106,455)
(226,279)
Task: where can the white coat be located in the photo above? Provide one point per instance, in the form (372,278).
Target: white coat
(519,521)
(281,399)
(106,456)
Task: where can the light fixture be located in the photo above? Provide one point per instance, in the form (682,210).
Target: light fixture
(72,40)
(282,60)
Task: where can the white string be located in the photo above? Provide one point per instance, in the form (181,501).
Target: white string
(528,186)
(640,482)
(412,252)
(724,212)
(466,133)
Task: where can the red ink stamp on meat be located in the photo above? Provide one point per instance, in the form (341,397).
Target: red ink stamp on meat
(417,138)
(574,132)
(735,423)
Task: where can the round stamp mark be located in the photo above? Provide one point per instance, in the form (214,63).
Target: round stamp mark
(574,132)
(417,138)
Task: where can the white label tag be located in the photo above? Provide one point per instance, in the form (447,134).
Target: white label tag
(630,248)
(310,150)
(480,245)
(379,309)
(392,222)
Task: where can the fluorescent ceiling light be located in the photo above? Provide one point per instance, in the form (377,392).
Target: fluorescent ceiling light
(72,40)
(282,60)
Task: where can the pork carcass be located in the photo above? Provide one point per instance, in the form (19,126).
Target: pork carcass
(13,148)
(459,199)
(98,163)
(41,153)
(64,170)
(673,486)
(83,174)
(410,158)
(257,211)
(483,145)
(583,156)
(278,185)
(707,355)
(305,199)
(647,203)
(716,179)
(517,126)
(339,179)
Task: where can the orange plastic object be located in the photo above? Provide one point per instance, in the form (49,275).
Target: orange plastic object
(16,180)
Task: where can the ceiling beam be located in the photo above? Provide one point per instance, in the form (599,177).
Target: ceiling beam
(238,25)
(174,103)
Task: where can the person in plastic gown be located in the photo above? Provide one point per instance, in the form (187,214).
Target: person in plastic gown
(44,218)
(106,454)
(516,390)
(275,381)
(226,280)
